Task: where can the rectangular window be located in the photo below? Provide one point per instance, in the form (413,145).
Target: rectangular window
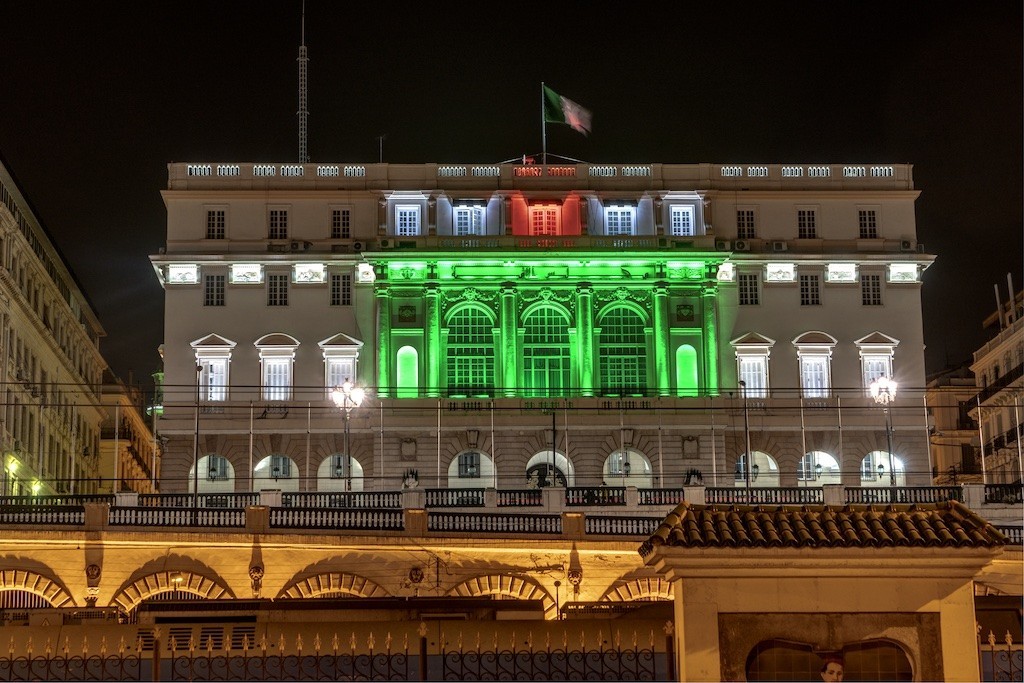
(543,220)
(341,289)
(753,373)
(277,290)
(875,365)
(215,224)
(277,226)
(867,220)
(407,221)
(338,371)
(341,224)
(681,221)
(468,220)
(213,290)
(213,380)
(619,220)
(749,294)
(871,290)
(277,379)
(806,224)
(280,466)
(810,290)
(469,465)
(745,229)
(814,376)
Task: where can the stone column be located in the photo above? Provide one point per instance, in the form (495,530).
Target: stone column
(508,353)
(383,296)
(710,339)
(432,339)
(659,307)
(585,337)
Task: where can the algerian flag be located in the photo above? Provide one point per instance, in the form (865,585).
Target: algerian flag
(558,109)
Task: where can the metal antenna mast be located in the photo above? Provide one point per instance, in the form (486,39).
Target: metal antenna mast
(303,112)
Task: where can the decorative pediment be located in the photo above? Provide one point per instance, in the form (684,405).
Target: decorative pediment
(877,339)
(815,338)
(753,339)
(213,341)
(276,340)
(340,340)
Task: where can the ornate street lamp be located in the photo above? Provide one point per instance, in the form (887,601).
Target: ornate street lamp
(883,391)
(347,397)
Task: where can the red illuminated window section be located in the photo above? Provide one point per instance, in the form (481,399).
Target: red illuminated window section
(544,220)
(562,171)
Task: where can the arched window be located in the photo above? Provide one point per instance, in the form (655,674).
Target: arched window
(276,472)
(628,467)
(623,353)
(333,474)
(546,352)
(471,469)
(686,370)
(549,468)
(875,470)
(764,472)
(816,469)
(216,475)
(470,353)
(408,372)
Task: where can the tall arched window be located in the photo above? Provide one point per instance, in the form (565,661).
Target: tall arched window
(686,370)
(623,353)
(470,353)
(546,352)
(408,372)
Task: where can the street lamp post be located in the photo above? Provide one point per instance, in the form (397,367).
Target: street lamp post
(347,397)
(748,460)
(883,391)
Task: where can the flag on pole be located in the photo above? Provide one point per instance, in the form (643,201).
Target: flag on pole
(558,109)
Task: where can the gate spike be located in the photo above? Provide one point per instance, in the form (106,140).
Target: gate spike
(387,642)
(617,640)
(316,643)
(120,646)
(634,639)
(280,645)
(103,646)
(652,639)
(67,645)
(371,641)
(85,645)
(209,644)
(352,642)
(30,647)
(298,644)
(1009,638)
(48,649)
(335,643)
(191,643)
(529,640)
(460,641)
(565,639)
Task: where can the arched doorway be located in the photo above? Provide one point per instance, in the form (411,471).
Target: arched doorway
(875,470)
(818,468)
(471,469)
(216,475)
(333,474)
(276,472)
(628,467)
(764,472)
(549,468)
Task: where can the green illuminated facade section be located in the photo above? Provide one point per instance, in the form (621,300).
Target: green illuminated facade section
(546,325)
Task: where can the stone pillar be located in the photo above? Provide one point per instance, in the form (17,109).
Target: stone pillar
(833,495)
(585,337)
(710,339)
(383,296)
(509,342)
(659,306)
(432,339)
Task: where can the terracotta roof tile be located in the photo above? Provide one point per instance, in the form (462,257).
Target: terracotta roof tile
(948,524)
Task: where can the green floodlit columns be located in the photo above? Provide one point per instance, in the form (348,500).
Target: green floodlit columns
(509,355)
(432,339)
(708,303)
(659,307)
(585,337)
(383,295)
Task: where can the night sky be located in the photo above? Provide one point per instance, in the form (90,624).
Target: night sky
(96,99)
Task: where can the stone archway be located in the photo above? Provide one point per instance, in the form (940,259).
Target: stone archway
(129,597)
(518,587)
(37,584)
(644,588)
(331,584)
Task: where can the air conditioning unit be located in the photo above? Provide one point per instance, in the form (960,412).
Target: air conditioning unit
(295,245)
(780,245)
(358,246)
(906,245)
(723,245)
(384,243)
(920,248)
(741,245)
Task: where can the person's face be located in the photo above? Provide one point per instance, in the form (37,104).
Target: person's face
(833,673)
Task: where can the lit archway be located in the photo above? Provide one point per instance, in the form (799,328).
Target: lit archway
(276,472)
(549,468)
(686,370)
(818,468)
(504,585)
(408,372)
(471,469)
(332,474)
(143,588)
(216,475)
(642,589)
(875,470)
(764,471)
(333,584)
(628,467)
(37,584)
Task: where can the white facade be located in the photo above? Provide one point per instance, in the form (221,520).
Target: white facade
(810,280)
(51,366)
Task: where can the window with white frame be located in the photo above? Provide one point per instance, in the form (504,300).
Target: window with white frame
(745,226)
(753,372)
(277,358)
(277,224)
(468,220)
(339,370)
(341,224)
(619,220)
(213,358)
(876,357)
(814,375)
(749,289)
(681,221)
(806,224)
(875,365)
(469,465)
(407,220)
(543,220)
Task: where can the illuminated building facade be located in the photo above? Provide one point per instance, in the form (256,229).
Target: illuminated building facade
(50,364)
(129,455)
(520,325)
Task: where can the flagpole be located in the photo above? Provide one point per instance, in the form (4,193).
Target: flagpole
(543,128)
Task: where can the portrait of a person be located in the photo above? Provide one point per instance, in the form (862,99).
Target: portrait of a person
(832,670)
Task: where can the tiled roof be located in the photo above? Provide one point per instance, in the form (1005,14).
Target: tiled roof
(948,524)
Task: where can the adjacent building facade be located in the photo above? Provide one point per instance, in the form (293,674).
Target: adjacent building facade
(521,325)
(51,366)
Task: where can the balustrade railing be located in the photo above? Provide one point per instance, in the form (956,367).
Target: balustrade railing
(520,498)
(1007,494)
(37,514)
(622,526)
(53,501)
(671,497)
(494,523)
(904,495)
(790,495)
(231,501)
(1014,534)
(183,517)
(327,518)
(454,498)
(595,495)
(382,500)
